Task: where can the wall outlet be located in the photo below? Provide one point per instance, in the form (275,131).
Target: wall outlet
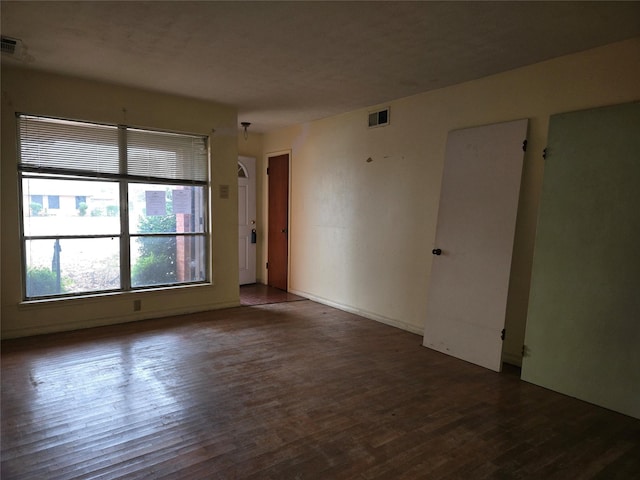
(137,305)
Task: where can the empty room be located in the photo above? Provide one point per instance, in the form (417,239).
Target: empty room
(320,240)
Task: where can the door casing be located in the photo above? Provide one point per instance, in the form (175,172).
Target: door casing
(247,220)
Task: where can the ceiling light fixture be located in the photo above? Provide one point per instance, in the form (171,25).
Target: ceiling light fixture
(245,125)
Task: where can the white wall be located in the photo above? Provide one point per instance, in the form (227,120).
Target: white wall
(37,93)
(361,232)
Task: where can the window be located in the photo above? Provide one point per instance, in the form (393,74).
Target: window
(54,201)
(35,206)
(130,207)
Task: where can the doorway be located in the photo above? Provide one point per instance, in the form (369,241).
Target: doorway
(278,211)
(247,233)
(259,294)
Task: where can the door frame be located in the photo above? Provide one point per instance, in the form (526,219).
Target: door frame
(266,214)
(249,165)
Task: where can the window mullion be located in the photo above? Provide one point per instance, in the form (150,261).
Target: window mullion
(125,244)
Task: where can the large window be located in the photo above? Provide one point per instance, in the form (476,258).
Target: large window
(126,207)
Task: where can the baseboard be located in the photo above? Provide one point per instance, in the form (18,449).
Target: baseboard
(106,321)
(358,311)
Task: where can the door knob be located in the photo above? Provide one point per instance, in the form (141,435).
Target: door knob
(436,251)
(284,230)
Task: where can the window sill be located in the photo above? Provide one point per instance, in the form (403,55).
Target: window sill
(100,297)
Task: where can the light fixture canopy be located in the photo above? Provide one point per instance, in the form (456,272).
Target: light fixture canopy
(245,126)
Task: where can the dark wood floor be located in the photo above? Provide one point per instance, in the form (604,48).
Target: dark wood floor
(259,294)
(287,391)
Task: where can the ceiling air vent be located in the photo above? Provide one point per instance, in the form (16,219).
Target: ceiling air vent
(379,118)
(9,45)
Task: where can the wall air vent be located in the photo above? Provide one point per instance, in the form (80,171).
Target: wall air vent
(379,118)
(8,45)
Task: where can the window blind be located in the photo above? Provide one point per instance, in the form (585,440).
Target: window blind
(64,146)
(164,155)
(52,144)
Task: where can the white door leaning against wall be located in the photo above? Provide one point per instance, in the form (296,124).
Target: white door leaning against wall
(467,297)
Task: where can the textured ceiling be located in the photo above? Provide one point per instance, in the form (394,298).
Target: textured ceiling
(282,63)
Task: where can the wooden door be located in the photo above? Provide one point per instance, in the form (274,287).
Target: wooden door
(278,248)
(467,294)
(247,235)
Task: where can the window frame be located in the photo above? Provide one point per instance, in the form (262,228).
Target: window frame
(123,180)
(56,202)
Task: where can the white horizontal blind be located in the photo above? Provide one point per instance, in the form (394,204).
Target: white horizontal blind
(166,155)
(47,143)
(65,146)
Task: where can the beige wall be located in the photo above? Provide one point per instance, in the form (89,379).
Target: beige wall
(43,94)
(362,232)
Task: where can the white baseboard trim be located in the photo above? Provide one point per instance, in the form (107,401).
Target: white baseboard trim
(358,311)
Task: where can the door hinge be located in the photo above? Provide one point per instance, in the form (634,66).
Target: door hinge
(524,146)
(267,265)
(524,350)
(545,152)
(267,170)
(502,335)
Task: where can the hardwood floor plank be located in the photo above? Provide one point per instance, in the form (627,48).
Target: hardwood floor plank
(286,391)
